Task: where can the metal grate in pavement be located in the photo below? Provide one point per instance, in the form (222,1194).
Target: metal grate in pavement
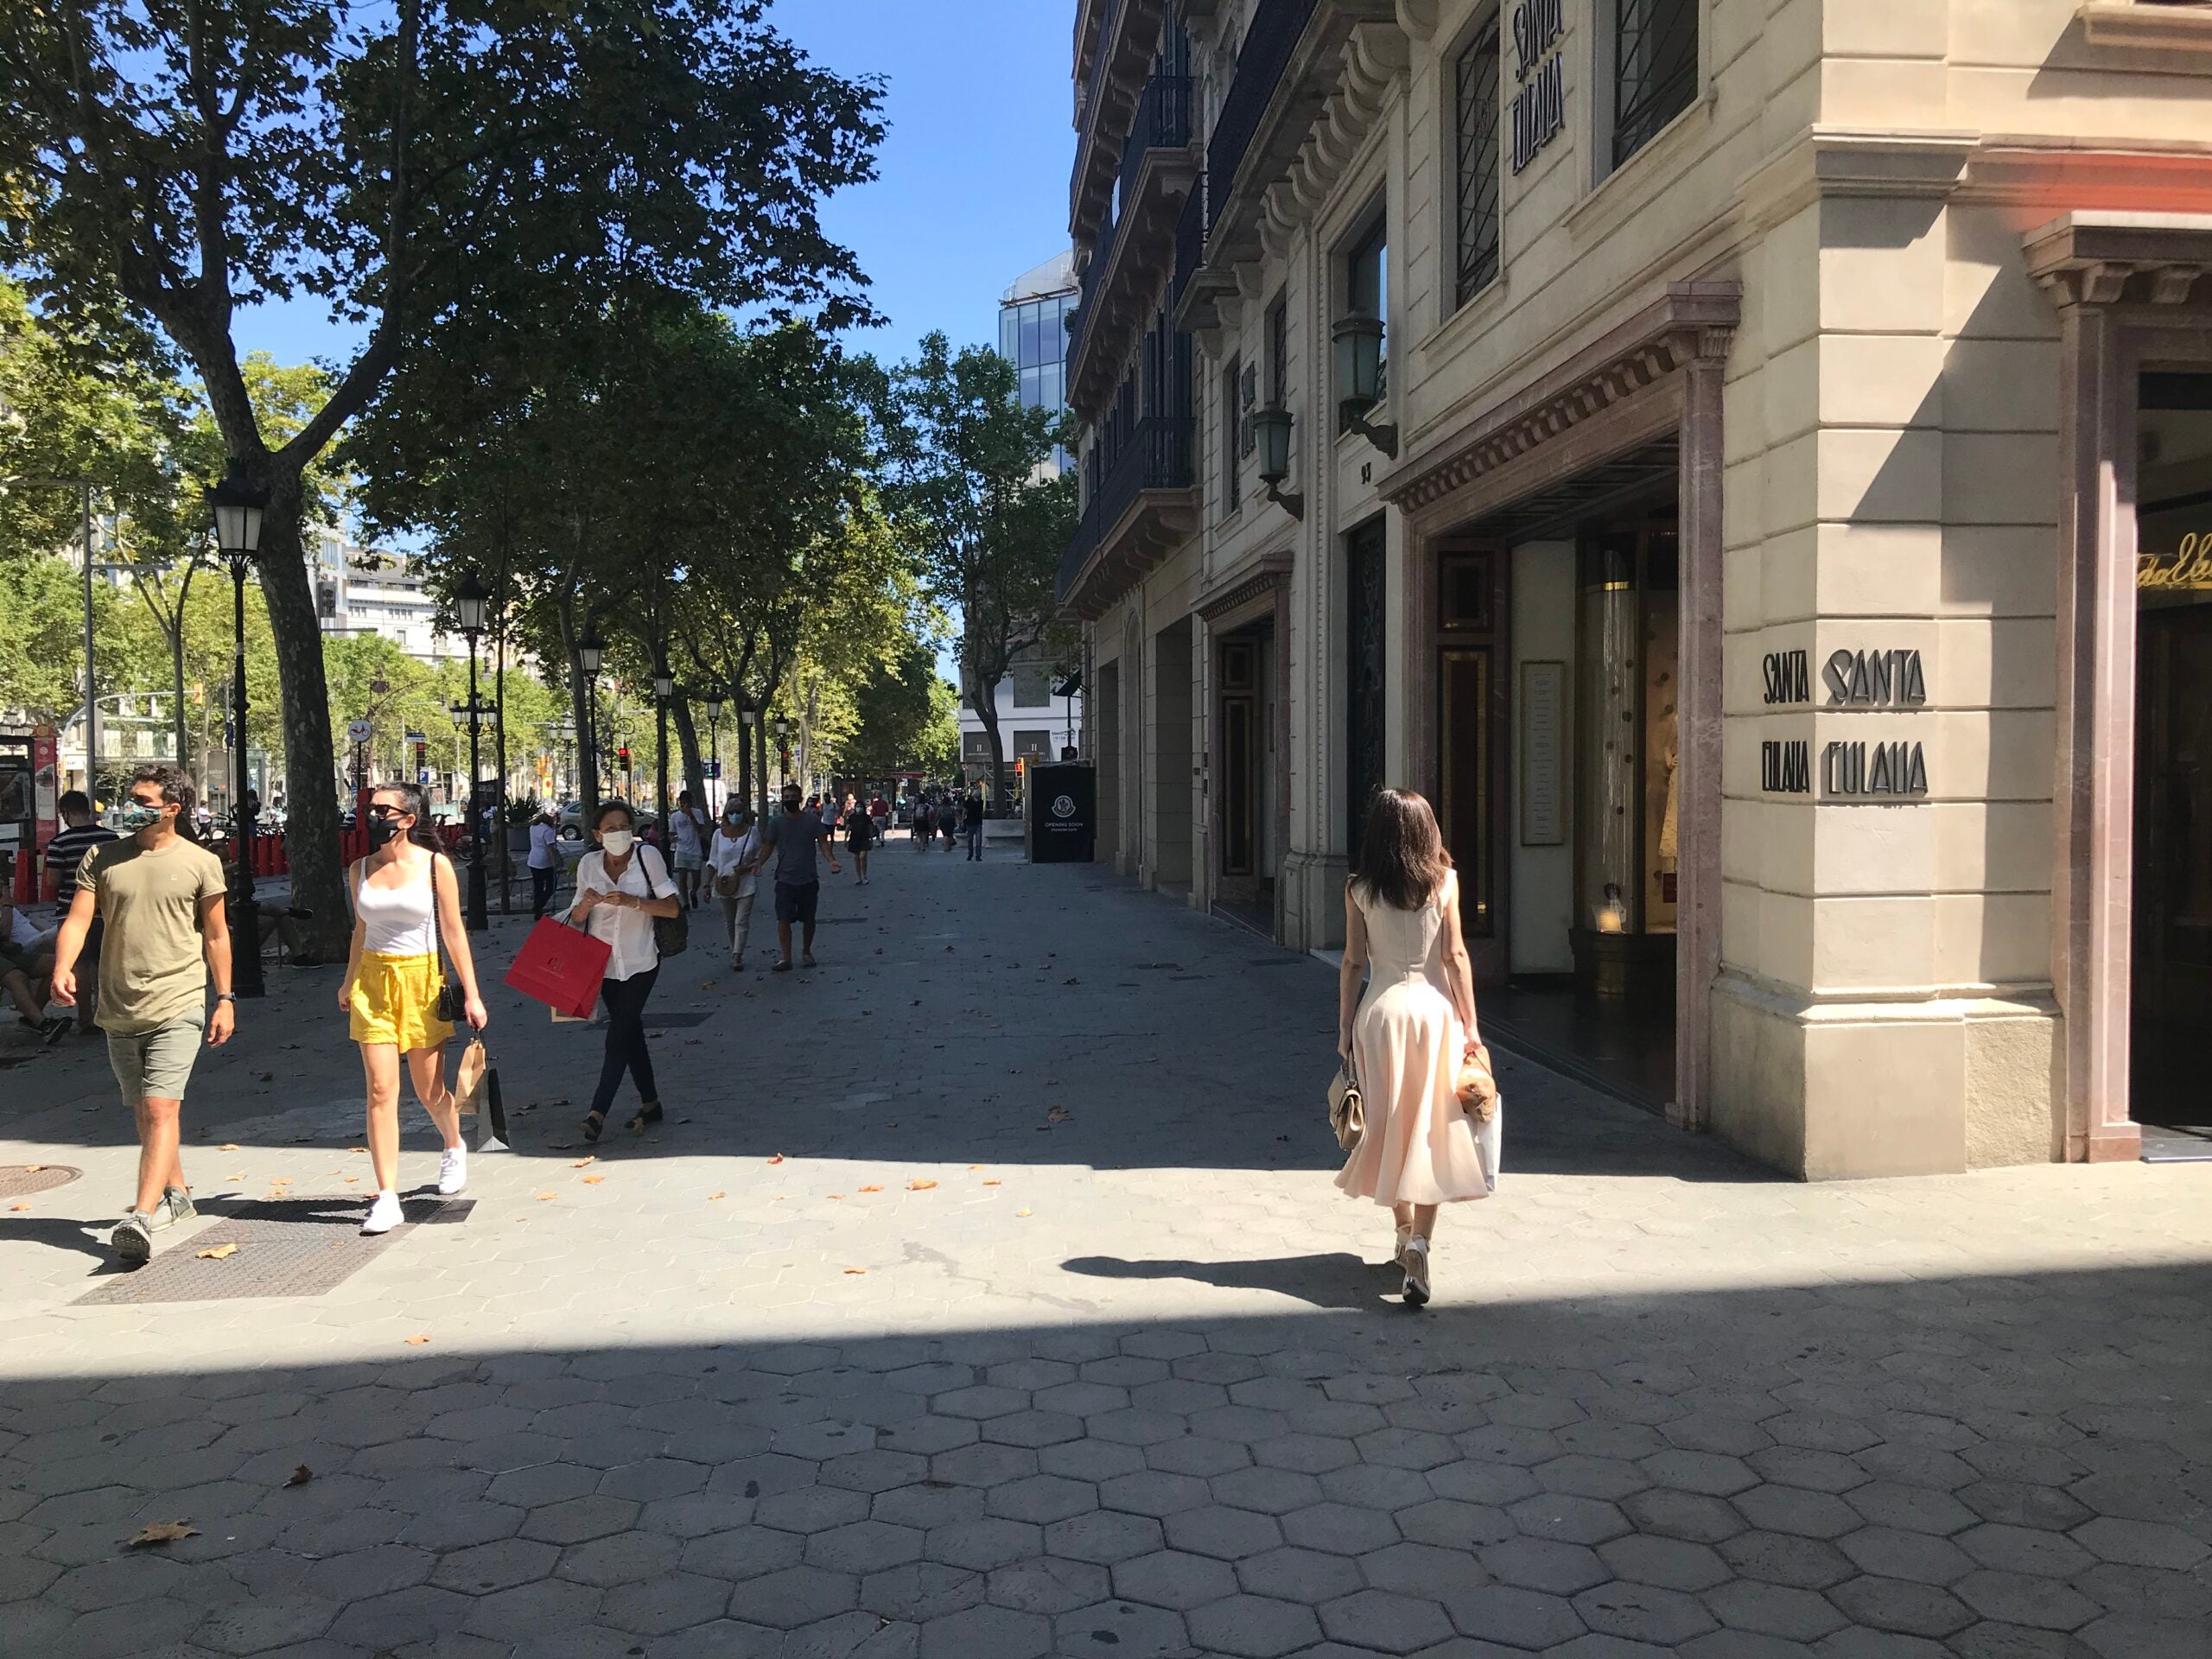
(288,1247)
(21,1180)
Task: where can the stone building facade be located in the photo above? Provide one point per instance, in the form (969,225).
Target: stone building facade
(1748,461)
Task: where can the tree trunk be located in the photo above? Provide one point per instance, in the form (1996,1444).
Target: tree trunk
(687,744)
(579,713)
(499,698)
(986,710)
(310,762)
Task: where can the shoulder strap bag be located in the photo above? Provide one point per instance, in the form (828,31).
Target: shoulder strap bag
(447,1005)
(1347,1111)
(671,934)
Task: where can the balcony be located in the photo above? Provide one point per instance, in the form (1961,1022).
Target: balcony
(1120,284)
(1145,504)
(1111,80)
(1293,58)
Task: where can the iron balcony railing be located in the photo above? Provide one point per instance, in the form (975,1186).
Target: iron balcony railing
(1276,25)
(1163,122)
(1156,455)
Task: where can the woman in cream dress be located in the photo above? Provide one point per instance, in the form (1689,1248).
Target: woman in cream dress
(1406,1036)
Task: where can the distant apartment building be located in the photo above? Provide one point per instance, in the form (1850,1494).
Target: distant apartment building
(361,590)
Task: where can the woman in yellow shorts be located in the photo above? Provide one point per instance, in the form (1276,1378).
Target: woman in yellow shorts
(406,902)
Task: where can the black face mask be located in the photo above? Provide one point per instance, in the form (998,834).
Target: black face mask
(381,830)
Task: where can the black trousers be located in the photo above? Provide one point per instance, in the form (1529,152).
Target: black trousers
(542,885)
(625,1039)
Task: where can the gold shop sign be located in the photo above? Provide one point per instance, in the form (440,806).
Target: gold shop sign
(2189,568)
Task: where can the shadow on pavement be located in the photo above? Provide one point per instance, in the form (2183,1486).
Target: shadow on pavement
(1333,1279)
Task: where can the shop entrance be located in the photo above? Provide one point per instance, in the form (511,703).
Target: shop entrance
(1245,880)
(2170,995)
(1580,655)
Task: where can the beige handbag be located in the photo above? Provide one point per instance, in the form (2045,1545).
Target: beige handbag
(1347,1111)
(726,883)
(1477,1085)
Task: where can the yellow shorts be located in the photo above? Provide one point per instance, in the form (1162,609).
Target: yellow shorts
(392,999)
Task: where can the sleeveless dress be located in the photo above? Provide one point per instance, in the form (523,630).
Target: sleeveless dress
(1420,1146)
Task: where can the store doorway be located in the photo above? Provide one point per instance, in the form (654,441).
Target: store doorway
(1245,886)
(2171,984)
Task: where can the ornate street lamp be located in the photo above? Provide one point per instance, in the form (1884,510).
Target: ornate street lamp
(591,651)
(239,508)
(1359,379)
(470,602)
(1272,427)
(715,749)
(783,749)
(664,693)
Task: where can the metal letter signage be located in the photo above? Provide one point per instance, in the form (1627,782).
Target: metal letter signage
(1539,107)
(1895,769)
(1849,770)
(2190,567)
(1786,678)
(1874,676)
(1785,767)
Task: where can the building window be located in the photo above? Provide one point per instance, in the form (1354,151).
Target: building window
(1279,354)
(1367,294)
(1655,68)
(1478,118)
(1230,480)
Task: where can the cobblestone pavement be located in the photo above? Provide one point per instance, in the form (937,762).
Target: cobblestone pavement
(984,1295)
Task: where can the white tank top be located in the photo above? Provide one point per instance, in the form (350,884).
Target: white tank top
(397,919)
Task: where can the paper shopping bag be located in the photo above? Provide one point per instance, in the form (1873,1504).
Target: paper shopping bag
(560,966)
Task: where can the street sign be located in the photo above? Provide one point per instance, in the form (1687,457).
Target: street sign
(714,770)
(417,737)
(360,731)
(423,776)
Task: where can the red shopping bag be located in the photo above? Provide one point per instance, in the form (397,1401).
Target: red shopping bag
(560,966)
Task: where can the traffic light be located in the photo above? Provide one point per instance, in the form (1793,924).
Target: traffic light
(622,757)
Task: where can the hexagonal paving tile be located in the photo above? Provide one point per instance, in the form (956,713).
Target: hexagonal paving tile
(1253,1627)
(1120,1630)
(1381,1620)
(1169,1578)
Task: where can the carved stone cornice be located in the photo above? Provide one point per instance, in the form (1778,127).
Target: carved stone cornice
(1121,302)
(1145,537)
(1688,322)
(1103,119)
(1268,572)
(2101,259)
(2147,27)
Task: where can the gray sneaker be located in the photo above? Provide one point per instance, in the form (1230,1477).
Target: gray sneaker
(175,1205)
(133,1239)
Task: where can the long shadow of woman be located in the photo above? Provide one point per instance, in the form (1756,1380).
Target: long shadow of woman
(1337,1279)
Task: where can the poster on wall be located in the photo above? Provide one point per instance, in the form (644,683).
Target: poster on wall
(1543,719)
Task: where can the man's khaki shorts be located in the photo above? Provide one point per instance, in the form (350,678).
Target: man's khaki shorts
(157,1063)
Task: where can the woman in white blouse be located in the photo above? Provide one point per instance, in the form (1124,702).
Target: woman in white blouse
(728,854)
(620,888)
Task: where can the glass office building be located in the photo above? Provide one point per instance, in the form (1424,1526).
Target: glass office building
(1033,334)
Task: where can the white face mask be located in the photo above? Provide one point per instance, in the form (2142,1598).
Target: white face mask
(617,841)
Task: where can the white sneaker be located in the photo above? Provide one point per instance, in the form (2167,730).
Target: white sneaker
(385,1214)
(1414,1260)
(453,1170)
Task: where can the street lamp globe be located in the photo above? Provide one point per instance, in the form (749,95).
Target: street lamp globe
(663,684)
(591,651)
(469,599)
(713,706)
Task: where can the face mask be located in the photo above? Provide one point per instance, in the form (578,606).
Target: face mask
(381,832)
(136,817)
(617,841)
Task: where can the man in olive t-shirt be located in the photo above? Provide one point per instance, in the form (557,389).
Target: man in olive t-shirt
(160,902)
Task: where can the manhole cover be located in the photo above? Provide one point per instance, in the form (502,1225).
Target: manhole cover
(287,1247)
(21,1180)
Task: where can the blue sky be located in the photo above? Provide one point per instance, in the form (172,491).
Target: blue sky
(973,180)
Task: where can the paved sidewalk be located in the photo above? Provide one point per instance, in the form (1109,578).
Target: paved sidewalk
(985,1294)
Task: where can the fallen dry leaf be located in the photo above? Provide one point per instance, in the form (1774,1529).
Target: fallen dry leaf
(352,1180)
(32,1169)
(855,1272)
(582,1162)
(919,1187)
(164,1532)
(357,1148)
(301,1476)
(219,1252)
(991,1183)
(593,1180)
(871,1189)
(19,1206)
(416,1341)
(545,1197)
(1059,1114)
(711,1197)
(1022,1215)
(972,1168)
(228,1146)
(837,1195)
(777,1157)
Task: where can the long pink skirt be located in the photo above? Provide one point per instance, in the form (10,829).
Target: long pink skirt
(1421,1145)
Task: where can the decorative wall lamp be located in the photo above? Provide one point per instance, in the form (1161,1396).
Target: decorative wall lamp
(1272,427)
(1359,379)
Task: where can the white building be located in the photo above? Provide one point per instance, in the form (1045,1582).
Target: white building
(361,590)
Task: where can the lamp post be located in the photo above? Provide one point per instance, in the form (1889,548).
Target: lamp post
(664,693)
(715,750)
(591,651)
(748,721)
(469,601)
(782,750)
(239,508)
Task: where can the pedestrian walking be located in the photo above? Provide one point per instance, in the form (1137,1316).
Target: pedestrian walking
(1405,1037)
(971,823)
(730,857)
(859,835)
(791,839)
(687,831)
(159,898)
(924,824)
(406,906)
(82,831)
(544,858)
(620,889)
(947,817)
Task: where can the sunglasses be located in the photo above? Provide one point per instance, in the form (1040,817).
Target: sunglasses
(380,810)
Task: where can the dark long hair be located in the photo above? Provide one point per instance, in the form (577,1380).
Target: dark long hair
(1402,857)
(414,803)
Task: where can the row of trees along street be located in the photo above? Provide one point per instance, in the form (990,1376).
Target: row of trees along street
(597,363)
